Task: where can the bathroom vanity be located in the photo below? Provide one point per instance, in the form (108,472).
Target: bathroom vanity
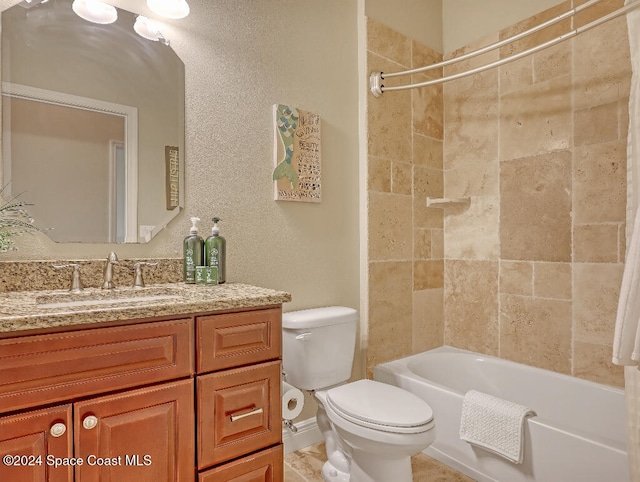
(175,383)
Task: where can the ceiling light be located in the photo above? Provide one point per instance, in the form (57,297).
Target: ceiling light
(149,30)
(169,8)
(95,11)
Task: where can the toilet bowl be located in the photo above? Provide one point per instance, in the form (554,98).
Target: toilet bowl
(381,426)
(371,429)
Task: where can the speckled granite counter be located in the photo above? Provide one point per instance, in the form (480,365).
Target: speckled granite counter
(29,310)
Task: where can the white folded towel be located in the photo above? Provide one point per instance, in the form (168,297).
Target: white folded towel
(494,424)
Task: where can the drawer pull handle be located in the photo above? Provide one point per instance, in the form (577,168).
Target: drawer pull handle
(58,429)
(90,422)
(248,414)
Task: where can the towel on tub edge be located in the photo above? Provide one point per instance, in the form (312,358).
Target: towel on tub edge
(494,424)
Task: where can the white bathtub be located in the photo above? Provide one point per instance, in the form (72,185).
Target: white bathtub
(578,434)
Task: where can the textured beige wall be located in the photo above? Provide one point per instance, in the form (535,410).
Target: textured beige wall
(420,20)
(240,59)
(466,21)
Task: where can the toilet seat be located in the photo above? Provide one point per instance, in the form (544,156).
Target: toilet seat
(380,406)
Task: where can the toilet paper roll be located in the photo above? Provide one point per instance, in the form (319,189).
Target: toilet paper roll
(292,401)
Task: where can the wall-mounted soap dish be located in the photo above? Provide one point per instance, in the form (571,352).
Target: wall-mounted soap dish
(447,202)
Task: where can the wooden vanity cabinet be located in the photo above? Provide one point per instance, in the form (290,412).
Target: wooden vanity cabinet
(28,439)
(180,400)
(239,413)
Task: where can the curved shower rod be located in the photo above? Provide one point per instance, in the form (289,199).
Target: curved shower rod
(377,88)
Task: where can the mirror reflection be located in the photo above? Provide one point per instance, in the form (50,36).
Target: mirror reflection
(92,124)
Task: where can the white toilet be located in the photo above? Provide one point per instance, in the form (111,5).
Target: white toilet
(371,429)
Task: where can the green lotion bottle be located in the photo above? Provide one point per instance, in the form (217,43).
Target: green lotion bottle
(215,250)
(193,247)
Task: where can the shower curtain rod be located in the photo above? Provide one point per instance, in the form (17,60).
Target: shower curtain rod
(377,87)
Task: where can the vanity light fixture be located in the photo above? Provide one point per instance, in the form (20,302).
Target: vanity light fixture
(95,11)
(169,8)
(149,29)
(31,3)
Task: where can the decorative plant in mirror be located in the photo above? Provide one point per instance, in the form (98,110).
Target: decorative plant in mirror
(14,220)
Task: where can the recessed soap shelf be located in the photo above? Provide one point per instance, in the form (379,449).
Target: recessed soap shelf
(447,202)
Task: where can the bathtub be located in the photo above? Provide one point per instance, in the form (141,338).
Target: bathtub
(578,433)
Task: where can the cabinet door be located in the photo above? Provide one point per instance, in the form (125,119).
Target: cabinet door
(265,466)
(144,435)
(239,412)
(31,442)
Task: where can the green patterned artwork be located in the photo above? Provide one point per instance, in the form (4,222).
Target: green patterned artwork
(297,175)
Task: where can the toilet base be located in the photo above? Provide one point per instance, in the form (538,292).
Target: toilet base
(369,467)
(331,474)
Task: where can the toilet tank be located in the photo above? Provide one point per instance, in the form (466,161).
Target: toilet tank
(318,346)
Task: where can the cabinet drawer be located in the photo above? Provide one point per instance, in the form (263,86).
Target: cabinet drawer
(40,369)
(265,466)
(239,412)
(234,339)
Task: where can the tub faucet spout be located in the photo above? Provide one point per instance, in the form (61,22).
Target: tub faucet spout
(108,271)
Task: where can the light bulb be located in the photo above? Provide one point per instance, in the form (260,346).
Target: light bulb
(148,29)
(95,11)
(169,8)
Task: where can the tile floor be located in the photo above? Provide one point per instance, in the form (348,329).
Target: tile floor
(305,466)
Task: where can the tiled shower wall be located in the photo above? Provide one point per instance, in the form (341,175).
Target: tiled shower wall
(406,248)
(530,269)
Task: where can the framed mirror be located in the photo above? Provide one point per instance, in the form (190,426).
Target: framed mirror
(92,124)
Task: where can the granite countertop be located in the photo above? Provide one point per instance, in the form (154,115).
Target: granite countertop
(29,310)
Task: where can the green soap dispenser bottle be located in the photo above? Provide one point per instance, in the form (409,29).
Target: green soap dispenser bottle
(193,247)
(215,250)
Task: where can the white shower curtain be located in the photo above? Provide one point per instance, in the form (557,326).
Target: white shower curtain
(626,342)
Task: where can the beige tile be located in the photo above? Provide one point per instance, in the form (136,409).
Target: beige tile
(471,120)
(595,243)
(601,65)
(422,244)
(552,62)
(516,74)
(422,56)
(379,174)
(401,178)
(388,43)
(594,12)
(426,469)
(389,119)
(390,227)
(596,291)
(291,475)
(437,243)
(471,305)
(308,462)
(428,274)
(599,183)
(427,183)
(427,105)
(593,362)
(552,280)
(516,277)
(622,242)
(536,332)
(594,125)
(428,321)
(623,118)
(535,208)
(472,62)
(478,178)
(536,119)
(472,231)
(390,312)
(427,152)
(538,37)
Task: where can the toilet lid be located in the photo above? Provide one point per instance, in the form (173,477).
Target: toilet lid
(367,402)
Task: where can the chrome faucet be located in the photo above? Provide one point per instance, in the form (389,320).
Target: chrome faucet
(108,271)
